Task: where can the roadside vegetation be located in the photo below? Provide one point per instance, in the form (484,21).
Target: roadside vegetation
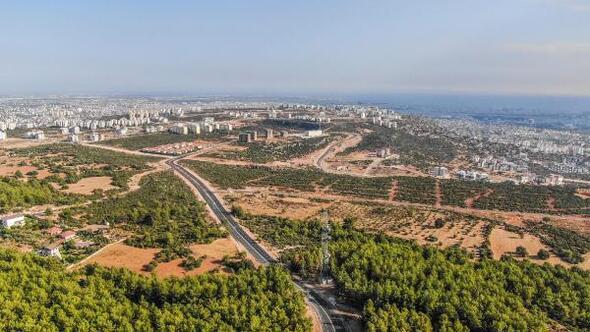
(282,232)
(232,176)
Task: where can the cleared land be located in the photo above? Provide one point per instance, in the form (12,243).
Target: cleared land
(134,259)
(87,186)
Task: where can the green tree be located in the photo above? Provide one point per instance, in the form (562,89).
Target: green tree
(543,254)
(521,251)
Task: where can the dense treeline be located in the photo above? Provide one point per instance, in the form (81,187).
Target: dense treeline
(402,286)
(163,213)
(15,193)
(282,232)
(457,192)
(37,294)
(415,189)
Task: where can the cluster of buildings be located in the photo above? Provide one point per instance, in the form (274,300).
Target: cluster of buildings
(248,136)
(384,153)
(472,175)
(388,119)
(549,180)
(55,233)
(175,149)
(500,165)
(208,125)
(35,134)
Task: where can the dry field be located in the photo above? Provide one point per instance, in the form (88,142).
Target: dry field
(9,166)
(505,242)
(274,203)
(121,255)
(20,143)
(87,185)
(415,224)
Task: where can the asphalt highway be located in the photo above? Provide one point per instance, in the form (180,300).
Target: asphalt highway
(260,254)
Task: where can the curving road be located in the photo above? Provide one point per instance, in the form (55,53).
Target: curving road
(333,147)
(319,305)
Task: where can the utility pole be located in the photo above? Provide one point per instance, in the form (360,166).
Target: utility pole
(325,276)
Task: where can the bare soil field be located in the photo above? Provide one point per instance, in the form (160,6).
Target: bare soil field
(397,170)
(87,185)
(19,143)
(267,202)
(122,255)
(10,170)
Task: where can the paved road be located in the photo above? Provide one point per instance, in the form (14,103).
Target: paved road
(260,254)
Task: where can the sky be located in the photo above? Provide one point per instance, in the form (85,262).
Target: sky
(324,47)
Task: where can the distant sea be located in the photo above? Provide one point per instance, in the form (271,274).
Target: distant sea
(453,104)
(553,112)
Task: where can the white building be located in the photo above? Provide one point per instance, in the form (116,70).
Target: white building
(440,172)
(226,127)
(96,137)
(179,130)
(35,134)
(208,128)
(51,250)
(122,131)
(12,220)
(3,135)
(554,180)
(314,133)
(194,128)
(74,138)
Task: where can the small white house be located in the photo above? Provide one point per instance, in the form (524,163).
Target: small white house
(12,220)
(51,250)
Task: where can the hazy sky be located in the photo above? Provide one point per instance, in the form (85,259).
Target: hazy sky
(295,47)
